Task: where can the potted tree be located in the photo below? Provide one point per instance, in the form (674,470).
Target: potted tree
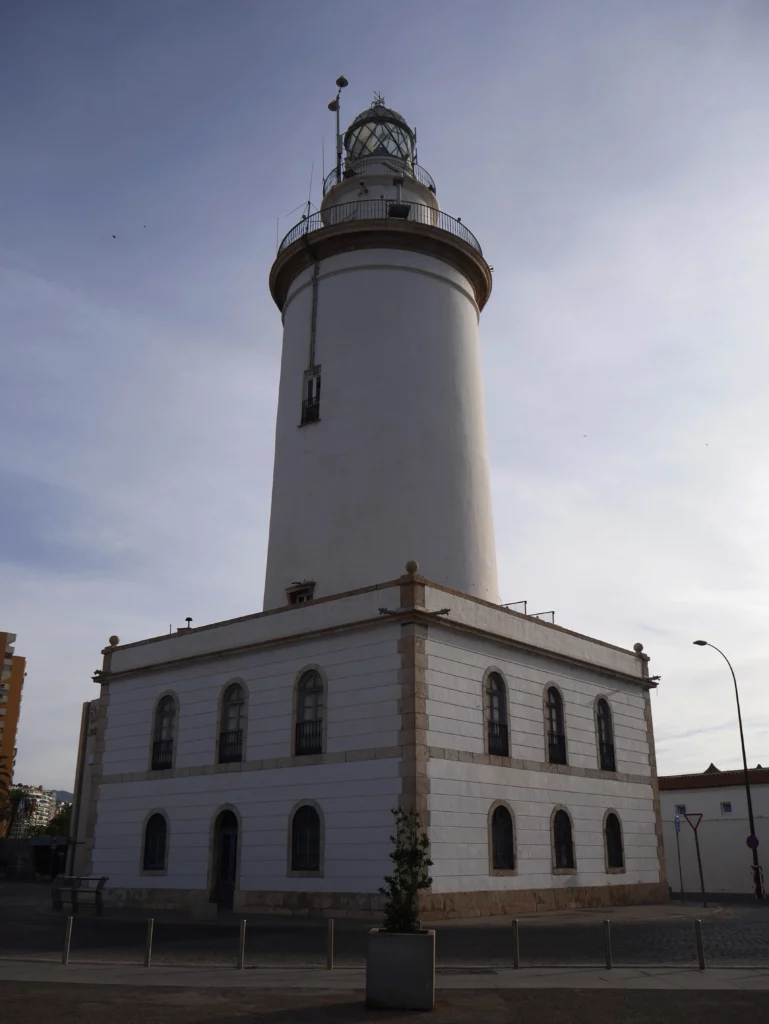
(400,960)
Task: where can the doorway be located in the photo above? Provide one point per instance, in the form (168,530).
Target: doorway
(225,860)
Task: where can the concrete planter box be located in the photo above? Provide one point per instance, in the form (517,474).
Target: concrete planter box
(400,970)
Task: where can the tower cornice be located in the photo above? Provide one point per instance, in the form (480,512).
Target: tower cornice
(334,239)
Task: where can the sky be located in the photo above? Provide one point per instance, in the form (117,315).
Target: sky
(611,157)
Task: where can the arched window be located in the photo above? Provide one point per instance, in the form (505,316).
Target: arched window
(556,734)
(615,857)
(502,847)
(305,839)
(563,846)
(232,721)
(606,756)
(309,714)
(496,711)
(155,839)
(163,734)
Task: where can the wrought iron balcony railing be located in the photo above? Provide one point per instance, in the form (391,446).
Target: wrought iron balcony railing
(564,853)
(309,737)
(162,755)
(498,739)
(556,743)
(379,209)
(230,746)
(608,760)
(310,410)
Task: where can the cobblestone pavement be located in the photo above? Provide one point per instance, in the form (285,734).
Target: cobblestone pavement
(30,928)
(75,1004)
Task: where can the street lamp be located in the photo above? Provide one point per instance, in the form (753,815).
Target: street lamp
(759,888)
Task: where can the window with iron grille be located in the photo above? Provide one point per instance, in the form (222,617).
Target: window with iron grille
(556,733)
(309,714)
(155,836)
(502,844)
(232,719)
(496,710)
(305,839)
(605,737)
(615,857)
(311,401)
(163,734)
(563,847)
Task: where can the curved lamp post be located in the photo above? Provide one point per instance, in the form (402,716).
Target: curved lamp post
(758,884)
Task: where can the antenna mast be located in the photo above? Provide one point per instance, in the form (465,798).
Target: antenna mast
(334,106)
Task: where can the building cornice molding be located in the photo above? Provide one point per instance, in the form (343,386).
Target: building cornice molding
(413,752)
(376,234)
(526,765)
(403,616)
(256,765)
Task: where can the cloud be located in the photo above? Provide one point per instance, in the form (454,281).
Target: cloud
(610,159)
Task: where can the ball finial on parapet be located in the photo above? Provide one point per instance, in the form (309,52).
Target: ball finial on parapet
(412,567)
(114,640)
(638,648)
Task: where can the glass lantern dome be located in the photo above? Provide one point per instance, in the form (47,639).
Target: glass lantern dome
(379,131)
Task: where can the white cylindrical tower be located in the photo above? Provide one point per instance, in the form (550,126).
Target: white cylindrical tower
(380,447)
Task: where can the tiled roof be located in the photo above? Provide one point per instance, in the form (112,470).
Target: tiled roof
(714,780)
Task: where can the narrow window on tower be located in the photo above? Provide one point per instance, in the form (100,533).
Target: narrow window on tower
(300,592)
(311,398)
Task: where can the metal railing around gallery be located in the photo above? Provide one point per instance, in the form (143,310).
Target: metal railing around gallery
(379,209)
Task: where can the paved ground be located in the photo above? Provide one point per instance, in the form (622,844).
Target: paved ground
(73,1004)
(734,935)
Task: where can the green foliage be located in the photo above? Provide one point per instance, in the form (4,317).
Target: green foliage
(410,873)
(57,826)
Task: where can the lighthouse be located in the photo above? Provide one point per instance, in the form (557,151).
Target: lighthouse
(253,764)
(380,446)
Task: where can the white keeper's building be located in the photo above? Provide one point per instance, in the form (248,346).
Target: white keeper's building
(254,763)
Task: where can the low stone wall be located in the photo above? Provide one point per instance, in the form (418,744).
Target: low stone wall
(436,906)
(336,904)
(154,899)
(433,906)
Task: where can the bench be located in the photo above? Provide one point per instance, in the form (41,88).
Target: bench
(77,891)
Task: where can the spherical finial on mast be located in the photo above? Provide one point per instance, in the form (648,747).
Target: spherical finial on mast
(333,106)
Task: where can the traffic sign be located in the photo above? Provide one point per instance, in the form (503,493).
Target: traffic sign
(752,842)
(678,825)
(695,824)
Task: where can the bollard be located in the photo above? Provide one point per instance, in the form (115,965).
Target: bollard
(516,946)
(67,940)
(148,942)
(700,946)
(242,946)
(330,945)
(607,943)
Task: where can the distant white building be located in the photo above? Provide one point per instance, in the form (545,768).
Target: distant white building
(255,762)
(37,806)
(721,800)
